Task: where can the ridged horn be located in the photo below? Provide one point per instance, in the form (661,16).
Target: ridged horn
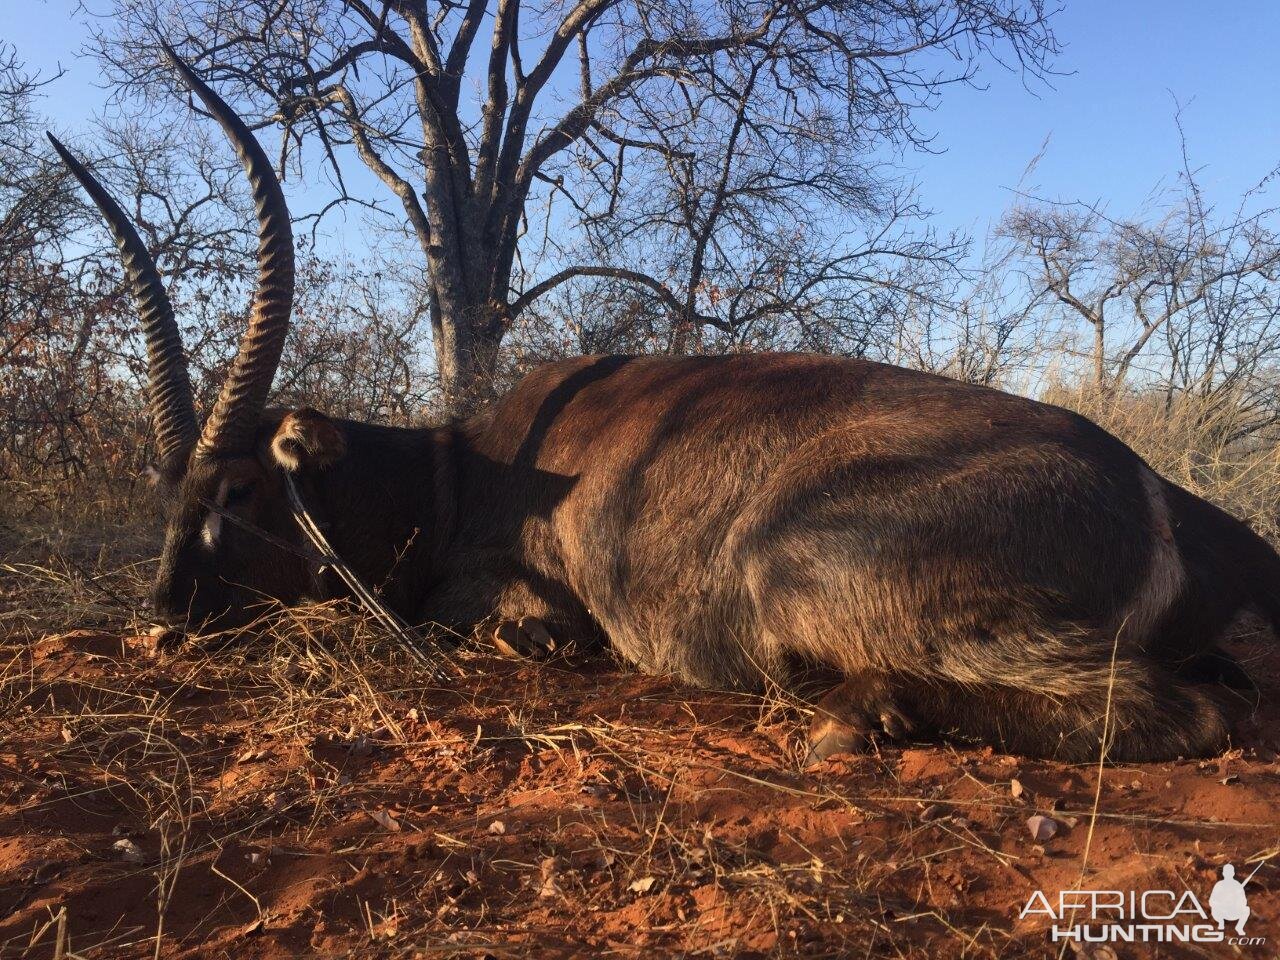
(231,426)
(169,386)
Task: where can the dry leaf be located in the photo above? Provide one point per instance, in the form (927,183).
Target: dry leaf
(1042,828)
(1016,788)
(498,828)
(384,819)
(549,869)
(643,885)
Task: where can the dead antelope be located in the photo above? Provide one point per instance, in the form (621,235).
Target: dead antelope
(970,562)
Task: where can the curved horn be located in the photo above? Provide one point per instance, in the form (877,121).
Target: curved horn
(169,387)
(231,426)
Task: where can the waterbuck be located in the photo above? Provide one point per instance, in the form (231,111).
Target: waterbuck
(968,561)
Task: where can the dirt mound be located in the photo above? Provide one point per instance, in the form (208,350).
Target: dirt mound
(309,797)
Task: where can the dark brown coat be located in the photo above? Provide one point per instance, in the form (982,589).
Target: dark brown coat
(966,558)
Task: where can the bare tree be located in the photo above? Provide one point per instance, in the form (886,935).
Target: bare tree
(981,324)
(1134,281)
(465,139)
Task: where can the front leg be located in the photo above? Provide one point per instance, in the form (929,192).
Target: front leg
(852,714)
(526,638)
(516,610)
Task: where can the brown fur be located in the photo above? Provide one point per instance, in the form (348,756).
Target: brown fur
(981,556)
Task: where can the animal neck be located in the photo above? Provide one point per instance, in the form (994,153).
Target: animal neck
(387,508)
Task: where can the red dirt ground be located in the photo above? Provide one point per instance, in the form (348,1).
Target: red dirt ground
(311,799)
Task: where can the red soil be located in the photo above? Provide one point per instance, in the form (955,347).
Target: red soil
(554,810)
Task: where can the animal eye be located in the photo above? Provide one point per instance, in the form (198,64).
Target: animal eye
(238,493)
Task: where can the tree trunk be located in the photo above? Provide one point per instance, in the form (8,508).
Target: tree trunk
(466,340)
(1100,356)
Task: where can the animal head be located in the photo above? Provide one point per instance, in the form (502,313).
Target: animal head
(224,480)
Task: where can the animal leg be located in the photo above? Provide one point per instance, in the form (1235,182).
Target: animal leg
(529,622)
(845,720)
(1133,712)
(526,638)
(518,612)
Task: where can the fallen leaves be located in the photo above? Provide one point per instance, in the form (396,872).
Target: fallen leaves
(643,885)
(385,820)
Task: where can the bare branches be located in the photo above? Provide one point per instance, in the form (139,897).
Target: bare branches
(780,101)
(1155,274)
(664,293)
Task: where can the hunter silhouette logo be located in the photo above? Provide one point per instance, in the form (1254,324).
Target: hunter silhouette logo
(1149,916)
(1228,901)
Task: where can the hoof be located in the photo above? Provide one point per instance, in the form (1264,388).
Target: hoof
(895,724)
(525,639)
(829,736)
(854,731)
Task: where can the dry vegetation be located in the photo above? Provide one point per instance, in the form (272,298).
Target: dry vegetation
(302,790)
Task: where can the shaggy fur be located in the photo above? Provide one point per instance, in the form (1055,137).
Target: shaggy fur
(973,560)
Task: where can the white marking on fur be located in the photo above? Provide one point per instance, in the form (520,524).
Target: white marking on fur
(213,521)
(1165,573)
(284,454)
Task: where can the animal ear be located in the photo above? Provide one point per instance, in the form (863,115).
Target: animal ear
(307,440)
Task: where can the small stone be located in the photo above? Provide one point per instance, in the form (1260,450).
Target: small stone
(498,828)
(128,851)
(384,819)
(1016,788)
(1041,827)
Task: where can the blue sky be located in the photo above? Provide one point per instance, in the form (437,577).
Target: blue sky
(1109,120)
(1110,123)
